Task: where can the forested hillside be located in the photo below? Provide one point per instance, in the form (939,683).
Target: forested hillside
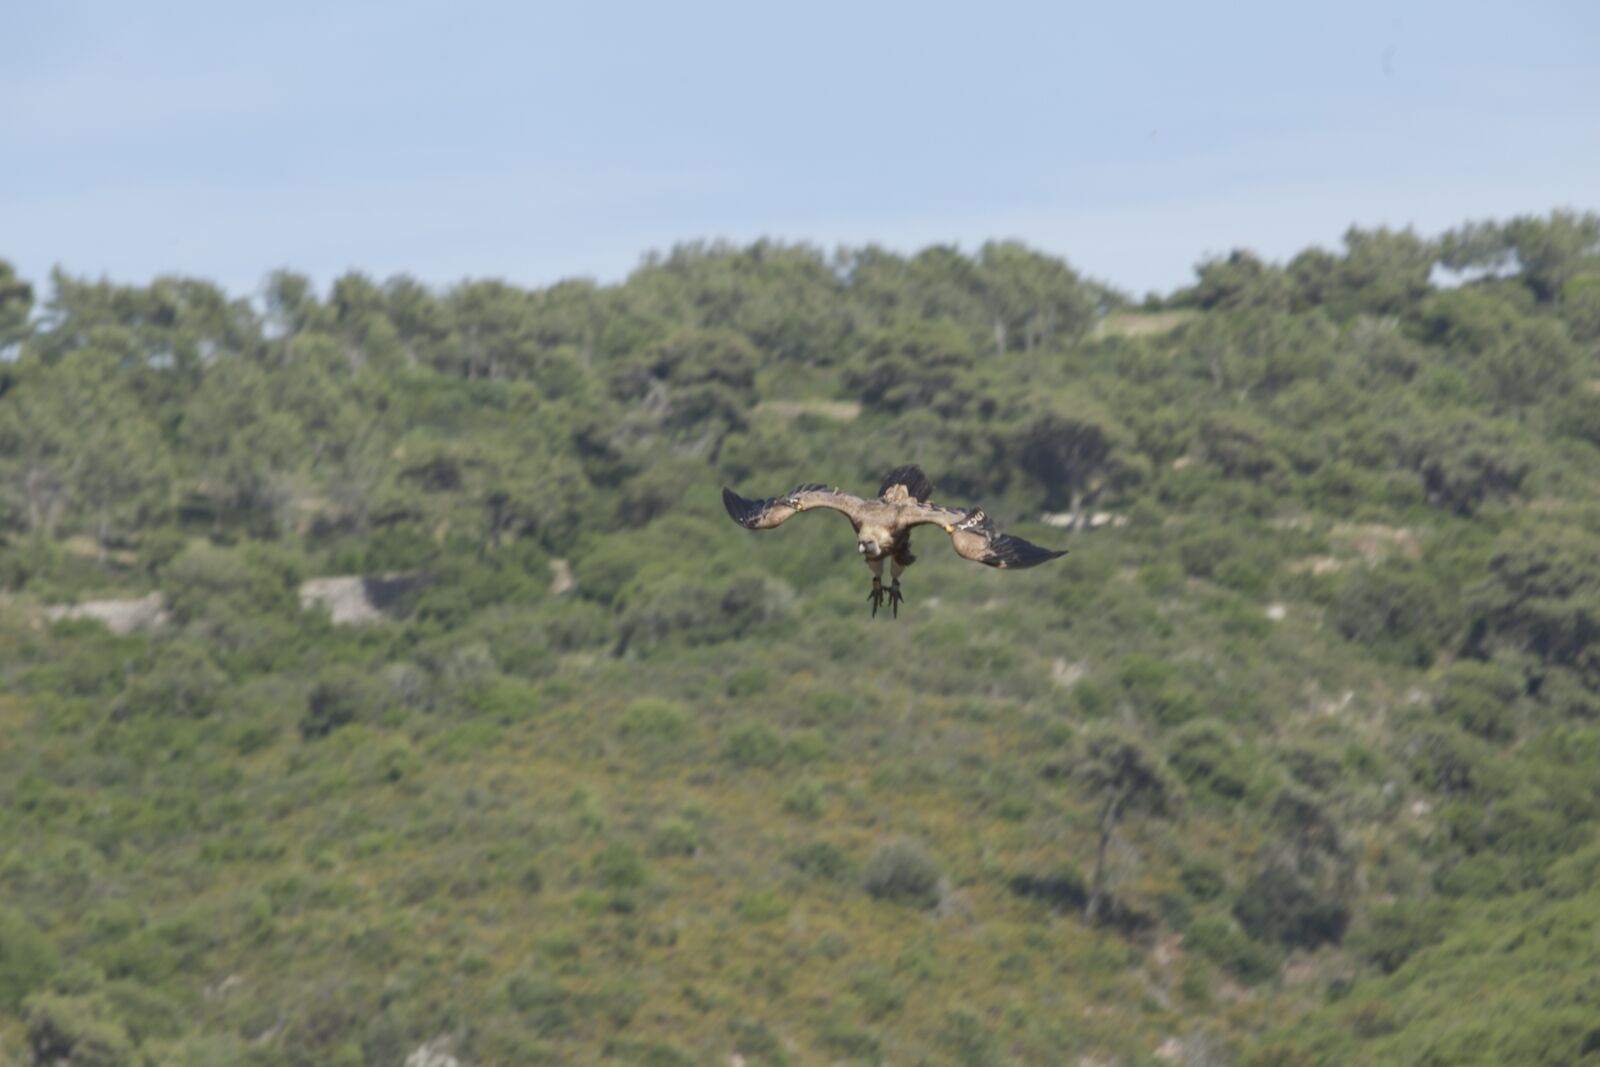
(604,778)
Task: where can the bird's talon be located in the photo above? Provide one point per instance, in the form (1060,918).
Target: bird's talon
(895,598)
(876,596)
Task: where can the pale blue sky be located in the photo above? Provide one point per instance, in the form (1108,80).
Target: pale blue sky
(535,142)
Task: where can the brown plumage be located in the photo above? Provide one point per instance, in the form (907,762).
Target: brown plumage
(883,526)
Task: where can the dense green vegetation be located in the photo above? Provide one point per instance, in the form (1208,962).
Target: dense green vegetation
(1293,760)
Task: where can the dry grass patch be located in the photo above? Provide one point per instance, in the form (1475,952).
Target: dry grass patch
(837,410)
(1141,323)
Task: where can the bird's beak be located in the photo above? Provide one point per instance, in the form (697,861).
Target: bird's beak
(799,506)
(948,528)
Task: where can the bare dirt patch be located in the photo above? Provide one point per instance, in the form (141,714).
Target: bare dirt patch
(1374,542)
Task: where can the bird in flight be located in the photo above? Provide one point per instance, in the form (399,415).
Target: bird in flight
(883,527)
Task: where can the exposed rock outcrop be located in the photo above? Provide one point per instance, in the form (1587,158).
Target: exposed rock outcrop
(354,599)
(120,616)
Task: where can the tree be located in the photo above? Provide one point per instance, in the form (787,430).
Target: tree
(361,322)
(1033,299)
(1395,610)
(1465,461)
(785,299)
(494,331)
(292,303)
(1124,778)
(16,304)
(1076,452)
(1299,897)
(694,382)
(35,451)
(80,445)
(1542,598)
(915,365)
(1240,281)
(1241,445)
(1544,253)
(1383,272)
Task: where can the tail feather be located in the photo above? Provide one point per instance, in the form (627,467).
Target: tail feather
(916,483)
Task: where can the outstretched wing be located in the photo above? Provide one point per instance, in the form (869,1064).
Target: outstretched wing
(774,511)
(906,483)
(924,514)
(1012,553)
(977,539)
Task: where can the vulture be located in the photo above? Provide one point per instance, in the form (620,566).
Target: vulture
(883,527)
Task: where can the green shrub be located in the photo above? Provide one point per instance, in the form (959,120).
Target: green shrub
(79,1031)
(1447,761)
(618,866)
(879,994)
(680,610)
(904,872)
(1395,932)
(1063,889)
(145,1011)
(340,696)
(27,959)
(1277,905)
(754,745)
(1480,698)
(1175,704)
(1225,945)
(840,1040)
(747,682)
(650,1055)
(205,579)
(1202,880)
(1395,612)
(754,1041)
(761,906)
(1207,758)
(1140,673)
(968,1041)
(544,1003)
(821,860)
(805,799)
(675,837)
(518,640)
(1313,768)
(183,683)
(806,747)
(654,720)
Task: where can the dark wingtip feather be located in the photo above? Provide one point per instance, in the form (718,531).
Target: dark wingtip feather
(742,511)
(1013,553)
(918,484)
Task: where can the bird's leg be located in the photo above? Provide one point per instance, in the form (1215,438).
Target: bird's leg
(876,596)
(895,596)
